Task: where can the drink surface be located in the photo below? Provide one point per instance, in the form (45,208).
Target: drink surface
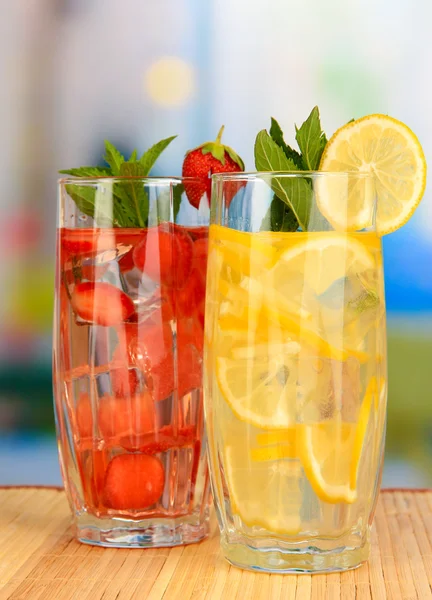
(130,320)
(295,381)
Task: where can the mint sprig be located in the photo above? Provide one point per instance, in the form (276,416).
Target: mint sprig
(277,135)
(113,157)
(125,203)
(294,192)
(292,202)
(311,140)
(149,158)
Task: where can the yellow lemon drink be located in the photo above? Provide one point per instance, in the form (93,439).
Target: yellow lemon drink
(296,348)
(295,340)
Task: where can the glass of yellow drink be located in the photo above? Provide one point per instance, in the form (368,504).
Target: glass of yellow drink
(295,369)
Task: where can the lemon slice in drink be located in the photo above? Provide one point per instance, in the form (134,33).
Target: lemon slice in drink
(330,453)
(313,267)
(387,148)
(260,388)
(264,493)
(320,259)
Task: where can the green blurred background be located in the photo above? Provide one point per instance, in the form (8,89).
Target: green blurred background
(78,71)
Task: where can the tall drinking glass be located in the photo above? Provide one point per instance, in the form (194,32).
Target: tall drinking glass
(295,370)
(128,341)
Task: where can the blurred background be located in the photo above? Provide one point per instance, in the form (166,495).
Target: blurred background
(75,72)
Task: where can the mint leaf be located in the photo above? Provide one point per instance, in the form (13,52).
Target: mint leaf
(367,299)
(149,157)
(135,191)
(282,218)
(269,156)
(124,214)
(113,157)
(350,121)
(133,157)
(311,140)
(88,202)
(87,172)
(295,191)
(277,136)
(279,217)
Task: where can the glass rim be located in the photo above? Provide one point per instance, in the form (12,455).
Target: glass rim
(255,175)
(113,178)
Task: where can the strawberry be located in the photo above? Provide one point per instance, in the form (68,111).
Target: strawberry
(197,233)
(189,369)
(165,254)
(101,303)
(126,262)
(86,242)
(200,255)
(84,417)
(165,439)
(124,381)
(189,331)
(134,481)
(164,298)
(191,296)
(202,162)
(126,417)
(161,379)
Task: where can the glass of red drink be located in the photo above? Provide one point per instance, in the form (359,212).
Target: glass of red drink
(128,341)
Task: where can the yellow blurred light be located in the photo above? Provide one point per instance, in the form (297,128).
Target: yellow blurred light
(170,81)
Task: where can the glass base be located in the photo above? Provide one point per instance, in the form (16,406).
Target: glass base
(304,560)
(146,533)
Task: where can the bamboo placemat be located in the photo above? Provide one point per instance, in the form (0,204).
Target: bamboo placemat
(39,559)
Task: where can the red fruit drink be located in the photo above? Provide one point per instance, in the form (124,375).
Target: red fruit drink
(128,379)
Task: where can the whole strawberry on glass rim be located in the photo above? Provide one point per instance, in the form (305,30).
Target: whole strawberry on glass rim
(203,161)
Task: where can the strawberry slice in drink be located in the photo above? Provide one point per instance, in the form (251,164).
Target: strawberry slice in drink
(84,416)
(126,418)
(101,303)
(86,242)
(189,297)
(200,255)
(133,481)
(165,254)
(189,370)
(166,438)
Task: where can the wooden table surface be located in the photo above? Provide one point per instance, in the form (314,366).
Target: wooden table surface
(39,559)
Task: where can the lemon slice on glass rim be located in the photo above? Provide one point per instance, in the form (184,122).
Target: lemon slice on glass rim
(388,149)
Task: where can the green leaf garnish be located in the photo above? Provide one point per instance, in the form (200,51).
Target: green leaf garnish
(277,136)
(272,153)
(279,217)
(87,172)
(113,157)
(149,157)
(295,191)
(135,190)
(311,140)
(89,201)
(366,300)
(122,203)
